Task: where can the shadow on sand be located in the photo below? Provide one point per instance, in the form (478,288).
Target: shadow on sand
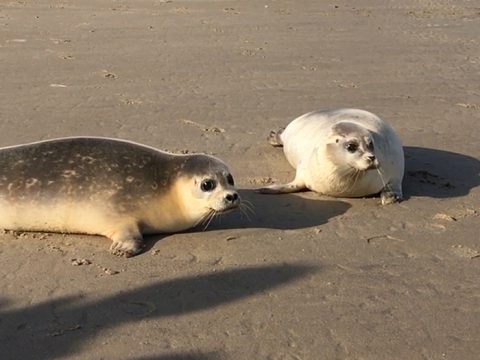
(58,327)
(184,356)
(428,173)
(283,212)
(438,173)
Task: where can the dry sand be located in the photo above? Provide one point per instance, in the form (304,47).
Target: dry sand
(308,277)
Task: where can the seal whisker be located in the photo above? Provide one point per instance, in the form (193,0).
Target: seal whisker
(207,217)
(206,221)
(357,175)
(248,206)
(353,180)
(202,219)
(211,216)
(380,173)
(347,176)
(347,171)
(245,213)
(248,202)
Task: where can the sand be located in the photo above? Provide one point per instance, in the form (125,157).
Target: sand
(307,276)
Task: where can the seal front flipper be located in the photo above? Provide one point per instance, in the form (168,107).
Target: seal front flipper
(127,242)
(391,193)
(291,187)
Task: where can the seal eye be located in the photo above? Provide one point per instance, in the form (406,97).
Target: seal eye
(208,185)
(230,180)
(351,147)
(370,145)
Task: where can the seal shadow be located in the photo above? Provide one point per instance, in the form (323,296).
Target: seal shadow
(184,356)
(438,173)
(59,327)
(281,211)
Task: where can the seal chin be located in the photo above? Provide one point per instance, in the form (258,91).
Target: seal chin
(226,208)
(370,165)
(356,168)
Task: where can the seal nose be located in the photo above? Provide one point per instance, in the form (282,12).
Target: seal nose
(372,160)
(232,197)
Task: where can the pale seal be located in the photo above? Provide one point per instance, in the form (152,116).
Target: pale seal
(342,153)
(110,187)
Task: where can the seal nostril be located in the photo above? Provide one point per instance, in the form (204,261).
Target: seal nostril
(231,197)
(371,157)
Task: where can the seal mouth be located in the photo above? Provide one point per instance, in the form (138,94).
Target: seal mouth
(226,209)
(213,213)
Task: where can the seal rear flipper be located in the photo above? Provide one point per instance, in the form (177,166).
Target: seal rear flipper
(291,187)
(127,242)
(274,138)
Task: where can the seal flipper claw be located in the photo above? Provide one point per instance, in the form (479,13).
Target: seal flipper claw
(127,243)
(392,192)
(389,196)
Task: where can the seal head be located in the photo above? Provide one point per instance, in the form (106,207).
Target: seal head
(351,146)
(204,187)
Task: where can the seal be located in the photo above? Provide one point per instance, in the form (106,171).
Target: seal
(342,153)
(110,187)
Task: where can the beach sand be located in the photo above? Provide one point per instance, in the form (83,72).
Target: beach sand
(305,276)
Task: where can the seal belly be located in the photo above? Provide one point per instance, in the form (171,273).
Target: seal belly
(58,216)
(368,184)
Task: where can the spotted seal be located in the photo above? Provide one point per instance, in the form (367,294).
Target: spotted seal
(110,187)
(342,153)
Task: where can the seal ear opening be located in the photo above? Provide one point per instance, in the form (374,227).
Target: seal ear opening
(333,139)
(341,129)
